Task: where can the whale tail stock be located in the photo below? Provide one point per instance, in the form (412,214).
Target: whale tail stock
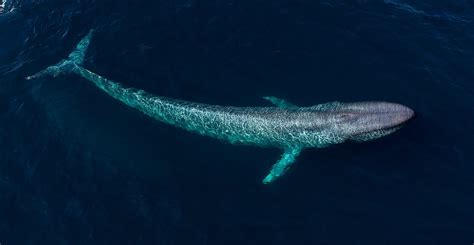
(76,58)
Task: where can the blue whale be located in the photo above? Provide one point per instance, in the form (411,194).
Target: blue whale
(286,126)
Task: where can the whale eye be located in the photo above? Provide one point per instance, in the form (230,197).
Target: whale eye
(343,116)
(346,116)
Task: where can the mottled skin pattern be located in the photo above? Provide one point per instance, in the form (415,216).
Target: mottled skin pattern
(261,126)
(284,126)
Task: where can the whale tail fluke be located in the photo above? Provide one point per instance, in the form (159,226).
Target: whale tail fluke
(75,59)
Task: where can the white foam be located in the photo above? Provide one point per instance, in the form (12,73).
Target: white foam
(6,7)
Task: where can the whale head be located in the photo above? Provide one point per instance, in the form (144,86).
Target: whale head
(364,121)
(337,122)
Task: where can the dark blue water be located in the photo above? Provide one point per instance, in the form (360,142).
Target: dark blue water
(77,167)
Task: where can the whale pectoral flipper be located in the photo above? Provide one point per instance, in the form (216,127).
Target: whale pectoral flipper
(280,168)
(280,102)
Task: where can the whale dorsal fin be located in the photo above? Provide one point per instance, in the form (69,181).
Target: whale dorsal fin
(280,167)
(280,102)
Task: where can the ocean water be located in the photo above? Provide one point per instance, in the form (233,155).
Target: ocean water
(78,167)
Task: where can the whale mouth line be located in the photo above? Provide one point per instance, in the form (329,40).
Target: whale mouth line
(396,119)
(371,120)
(388,115)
